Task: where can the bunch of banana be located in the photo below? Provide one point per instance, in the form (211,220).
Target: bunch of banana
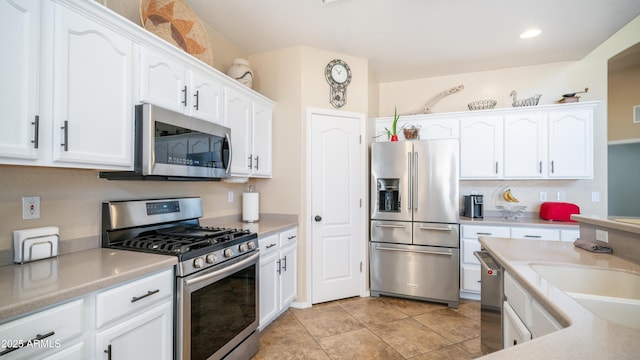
(507,195)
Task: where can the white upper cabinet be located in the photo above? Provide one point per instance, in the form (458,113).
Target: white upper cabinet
(170,84)
(571,143)
(20,74)
(261,139)
(524,145)
(251,124)
(481,147)
(92,93)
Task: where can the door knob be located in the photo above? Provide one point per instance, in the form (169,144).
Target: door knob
(318,218)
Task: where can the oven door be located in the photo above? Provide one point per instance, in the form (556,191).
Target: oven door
(218,310)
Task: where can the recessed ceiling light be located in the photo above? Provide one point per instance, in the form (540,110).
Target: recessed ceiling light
(530,33)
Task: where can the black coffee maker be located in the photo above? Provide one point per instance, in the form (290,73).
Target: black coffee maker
(473,206)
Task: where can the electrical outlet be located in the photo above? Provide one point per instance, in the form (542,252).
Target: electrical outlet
(30,207)
(602,235)
(595,197)
(230,196)
(543,196)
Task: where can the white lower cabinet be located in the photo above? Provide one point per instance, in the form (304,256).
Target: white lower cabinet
(43,333)
(133,320)
(523,317)
(145,336)
(514,331)
(278,274)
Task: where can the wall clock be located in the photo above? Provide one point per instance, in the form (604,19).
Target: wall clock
(338,75)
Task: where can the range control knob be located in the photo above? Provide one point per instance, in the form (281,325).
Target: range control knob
(198,263)
(242,247)
(211,258)
(251,245)
(228,253)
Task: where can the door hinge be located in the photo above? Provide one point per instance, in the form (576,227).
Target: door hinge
(360,266)
(360,202)
(360,139)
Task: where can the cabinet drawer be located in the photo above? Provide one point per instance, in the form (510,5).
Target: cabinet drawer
(470,280)
(535,233)
(518,298)
(288,237)
(473,231)
(268,244)
(468,247)
(133,296)
(542,323)
(52,327)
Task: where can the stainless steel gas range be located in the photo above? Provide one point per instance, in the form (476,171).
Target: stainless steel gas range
(216,313)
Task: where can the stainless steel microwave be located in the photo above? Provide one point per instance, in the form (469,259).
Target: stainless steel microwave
(173,146)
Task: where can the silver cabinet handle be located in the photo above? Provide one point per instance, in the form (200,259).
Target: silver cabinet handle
(31,341)
(184,91)
(284,266)
(257,162)
(496,167)
(540,167)
(483,233)
(414,251)
(197,96)
(65,136)
(250,158)
(149,293)
(36,131)
(533,236)
(270,246)
(279,266)
(553,169)
(291,237)
(108,352)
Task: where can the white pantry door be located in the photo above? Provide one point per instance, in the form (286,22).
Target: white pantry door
(336,205)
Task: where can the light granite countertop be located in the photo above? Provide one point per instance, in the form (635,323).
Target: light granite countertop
(585,335)
(521,222)
(36,285)
(267,225)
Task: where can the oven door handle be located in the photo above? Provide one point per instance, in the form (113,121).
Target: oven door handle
(224,271)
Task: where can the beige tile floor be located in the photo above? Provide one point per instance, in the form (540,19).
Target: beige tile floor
(374,328)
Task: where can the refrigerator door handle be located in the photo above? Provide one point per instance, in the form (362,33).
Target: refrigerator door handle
(415,183)
(409,181)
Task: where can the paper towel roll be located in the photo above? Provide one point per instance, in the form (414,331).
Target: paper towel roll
(250,207)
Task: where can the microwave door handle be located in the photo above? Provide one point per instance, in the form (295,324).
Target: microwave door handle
(228,140)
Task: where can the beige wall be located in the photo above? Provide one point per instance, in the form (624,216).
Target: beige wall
(294,79)
(624,94)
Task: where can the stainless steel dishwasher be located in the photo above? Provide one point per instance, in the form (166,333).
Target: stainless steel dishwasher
(491,298)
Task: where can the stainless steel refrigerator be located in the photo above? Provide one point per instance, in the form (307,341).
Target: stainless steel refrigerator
(415,233)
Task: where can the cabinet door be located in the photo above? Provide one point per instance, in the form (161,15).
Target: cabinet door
(146,336)
(288,259)
(238,118)
(93,108)
(524,145)
(481,147)
(514,331)
(571,144)
(206,97)
(439,129)
(269,288)
(162,81)
(261,138)
(19,71)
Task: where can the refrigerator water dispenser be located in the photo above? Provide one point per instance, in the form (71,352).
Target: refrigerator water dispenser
(388,195)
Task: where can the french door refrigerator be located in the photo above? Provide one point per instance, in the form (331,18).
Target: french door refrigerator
(415,232)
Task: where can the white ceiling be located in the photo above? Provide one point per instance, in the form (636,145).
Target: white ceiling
(411,39)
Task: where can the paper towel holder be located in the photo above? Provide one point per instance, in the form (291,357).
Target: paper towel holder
(250,205)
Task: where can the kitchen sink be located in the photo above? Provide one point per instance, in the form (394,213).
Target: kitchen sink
(611,294)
